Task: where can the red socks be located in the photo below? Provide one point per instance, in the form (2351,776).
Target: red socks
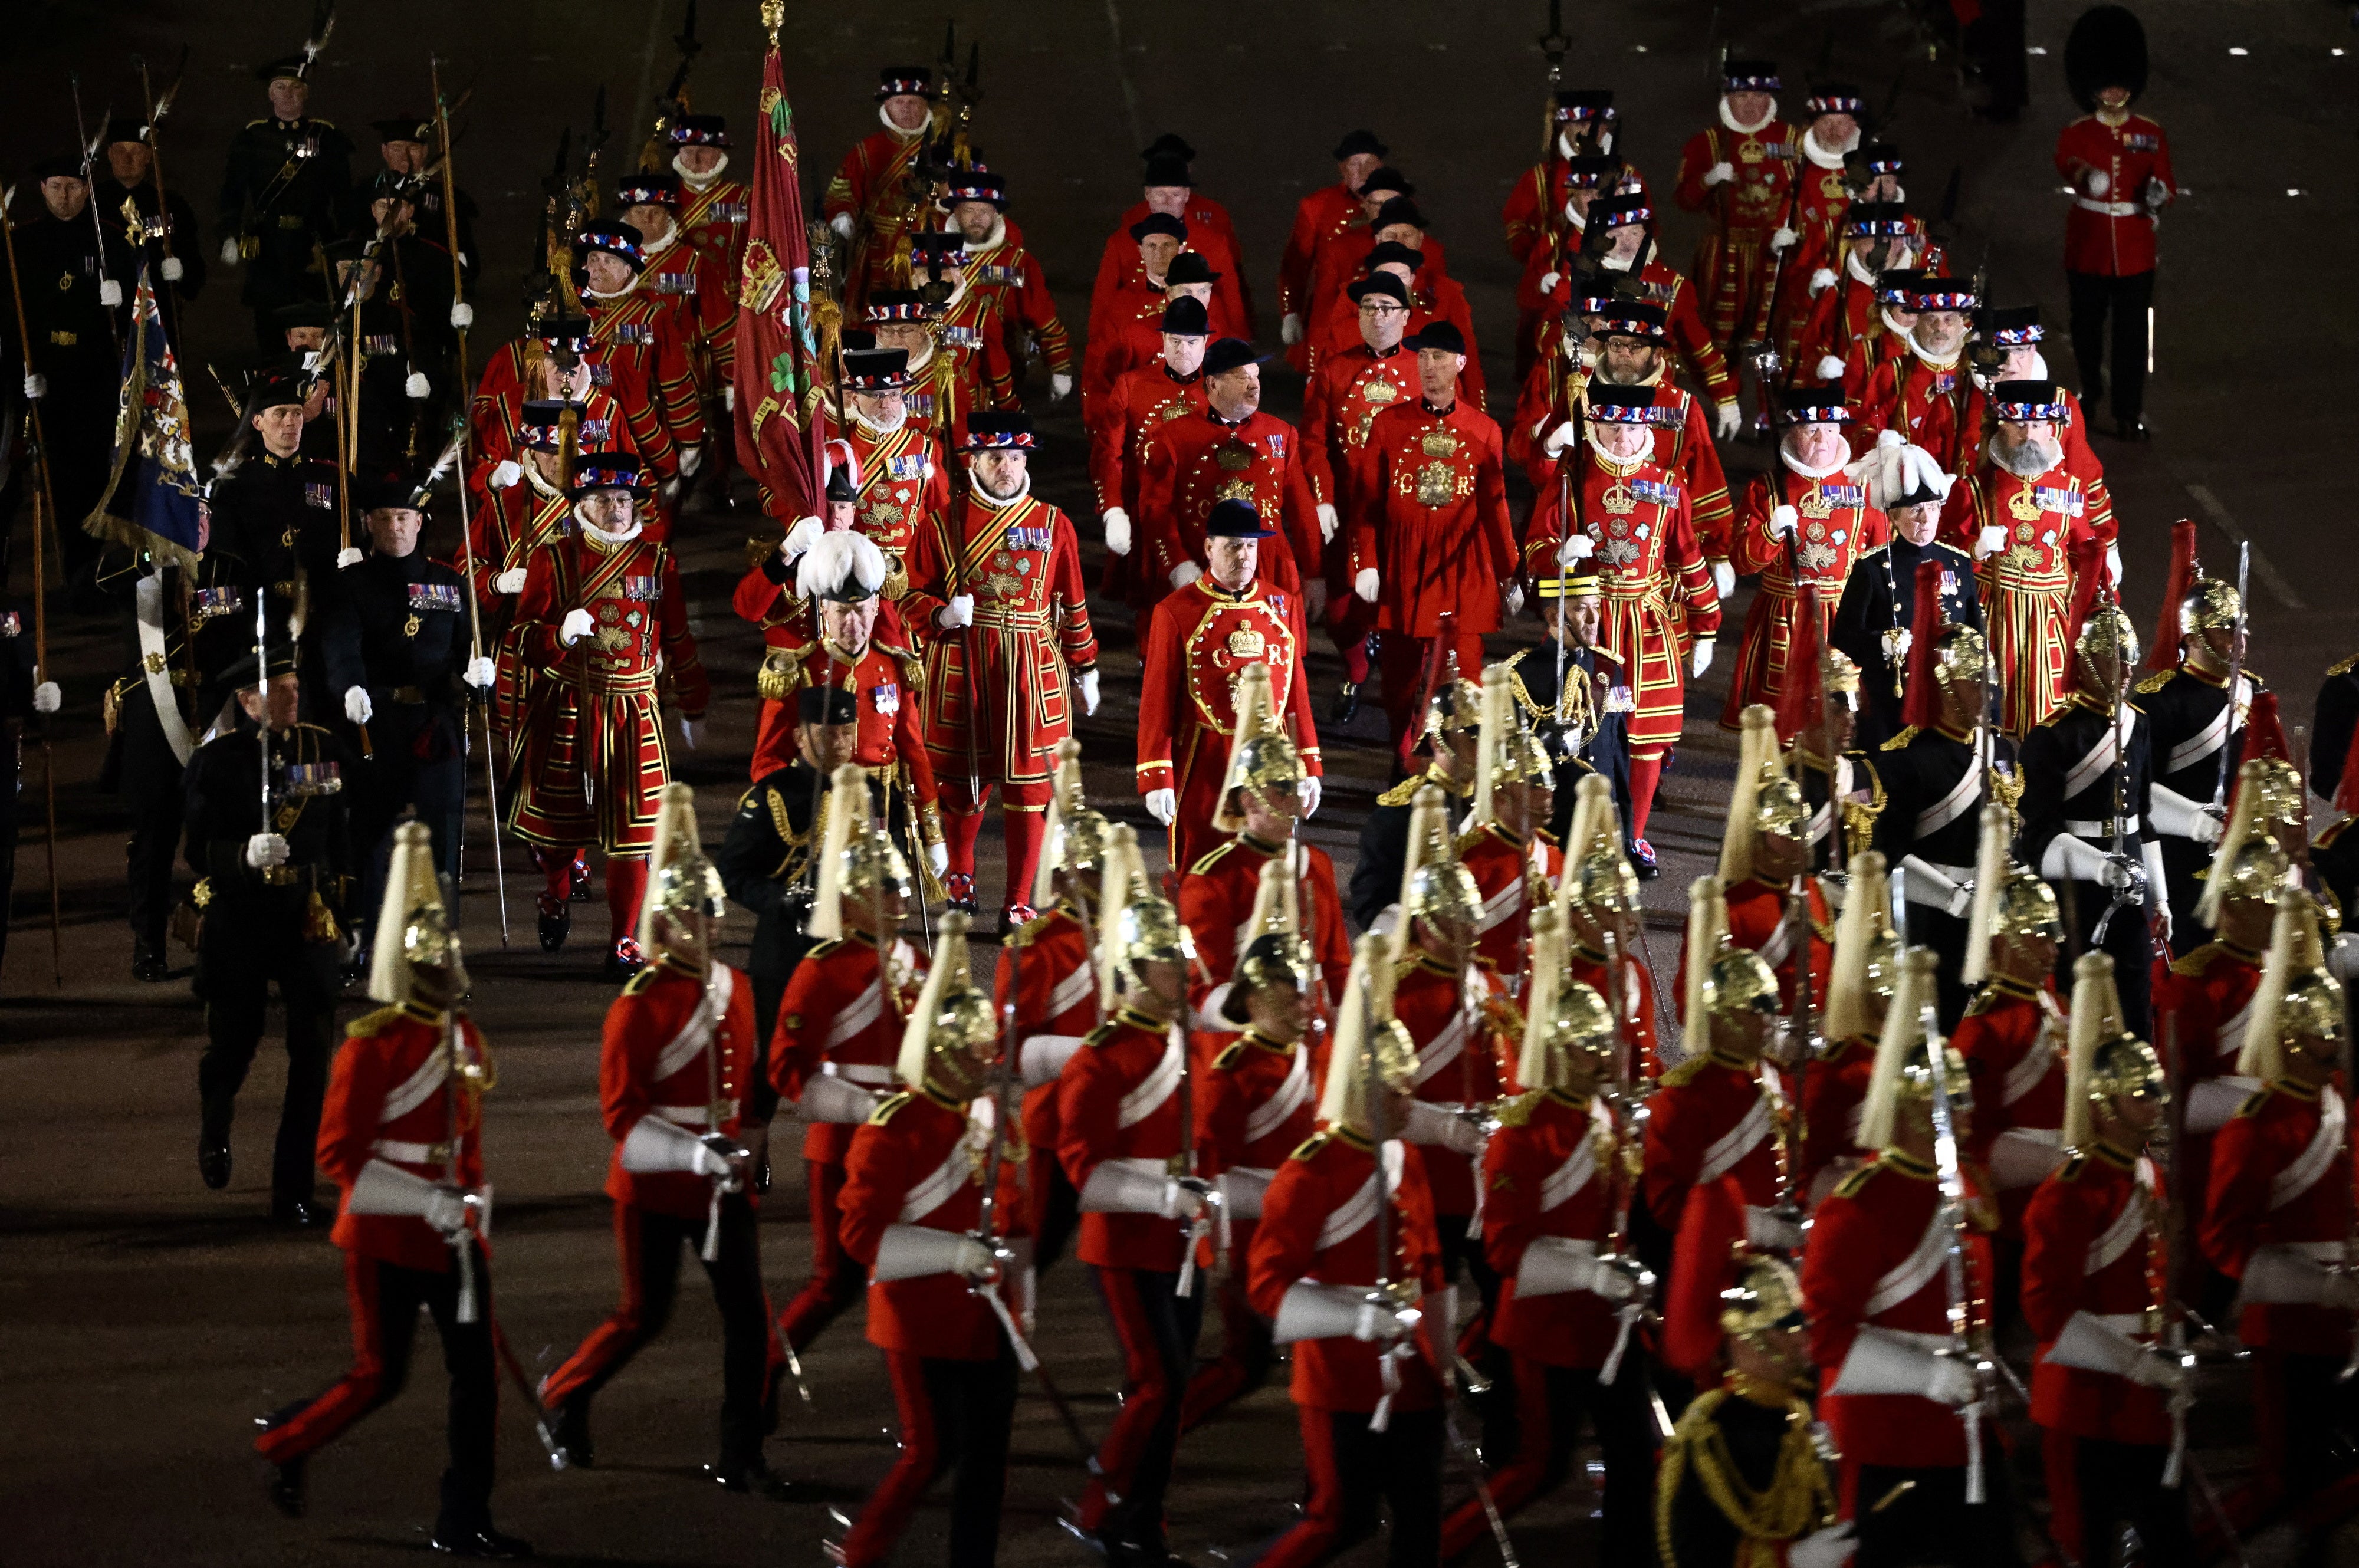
(1643,777)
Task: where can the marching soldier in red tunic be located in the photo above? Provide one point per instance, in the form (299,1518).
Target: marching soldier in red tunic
(1202,226)
(944,385)
(1822,191)
(1387,218)
(1169,157)
(933,1225)
(2107,1391)
(713,209)
(1008,280)
(1346,1265)
(1763,849)
(1126,1138)
(674,1078)
(1858,1001)
(1432,297)
(518,519)
(1897,1283)
(1124,319)
(562,358)
(1634,515)
(965,319)
(682,273)
(649,338)
(1507,846)
(871,203)
(1620,241)
(600,610)
(1325,213)
(402,1135)
(1203,647)
(1737,174)
(1124,423)
(1544,214)
(839,1029)
(998,578)
(1599,900)
(1862,307)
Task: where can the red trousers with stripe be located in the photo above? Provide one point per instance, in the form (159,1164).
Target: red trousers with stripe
(837,1280)
(1246,1353)
(954,1415)
(1156,1330)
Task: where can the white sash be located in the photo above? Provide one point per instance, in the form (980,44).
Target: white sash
(1780,944)
(1951,806)
(2127,1227)
(2324,1145)
(1158,1086)
(2228,1039)
(1914,1272)
(2030,1072)
(865,1009)
(1044,1057)
(147,603)
(1071,991)
(1499,906)
(1353,1215)
(2202,743)
(2100,758)
(1271,1114)
(697,1033)
(1737,1141)
(418,1089)
(1444,1048)
(956,1169)
(1570,1177)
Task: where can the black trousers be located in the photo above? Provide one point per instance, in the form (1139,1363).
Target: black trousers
(649,1244)
(236,968)
(1556,1401)
(956,1416)
(384,1301)
(2133,949)
(148,776)
(2320,1413)
(2096,1487)
(2095,297)
(1461,1257)
(1156,1329)
(398,783)
(1355,1476)
(1924,1519)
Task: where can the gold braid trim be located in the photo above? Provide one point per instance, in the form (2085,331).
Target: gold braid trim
(1798,1499)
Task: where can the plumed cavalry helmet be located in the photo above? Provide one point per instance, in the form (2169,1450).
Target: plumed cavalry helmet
(2250,861)
(413,907)
(2107,634)
(1505,753)
(1739,981)
(944,1041)
(1073,836)
(1903,1081)
(1261,758)
(1567,1025)
(1135,927)
(682,882)
(1368,1043)
(1597,876)
(1766,1296)
(1275,956)
(856,856)
(1434,887)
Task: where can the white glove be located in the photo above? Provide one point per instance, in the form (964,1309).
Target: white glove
(1719,174)
(357,707)
(2158,1369)
(229,252)
(507,471)
(110,292)
(1429,1124)
(1563,435)
(1513,599)
(841,225)
(1990,540)
(573,627)
(1831,368)
(1549,280)
(1950,1381)
(807,532)
(173,270)
(481,672)
(1060,387)
(509,581)
(1783,520)
(1828,1548)
(1290,331)
(1783,239)
(2117,875)
(1086,683)
(1163,805)
(418,389)
(728,397)
(46,697)
(1724,579)
(959,611)
(1821,280)
(463,315)
(1702,661)
(1576,547)
(1117,531)
(1181,1201)
(445,1210)
(938,857)
(1960,904)
(1725,419)
(2203,827)
(691,458)
(2113,563)
(690,731)
(2099,183)
(1310,791)
(37,387)
(1326,521)
(347,557)
(1378,1321)
(1187,571)
(711,1161)
(1897,644)
(1364,583)
(266,849)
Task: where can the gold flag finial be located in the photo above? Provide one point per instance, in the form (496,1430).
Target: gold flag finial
(774,15)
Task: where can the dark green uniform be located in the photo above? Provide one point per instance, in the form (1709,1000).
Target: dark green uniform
(283,192)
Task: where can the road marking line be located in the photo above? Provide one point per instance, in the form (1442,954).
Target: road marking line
(2263,567)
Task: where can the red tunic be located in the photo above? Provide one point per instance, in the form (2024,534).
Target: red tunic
(1429,514)
(1834,1094)
(1683,444)
(1216,900)
(1835,527)
(392,1059)
(1119,265)
(1513,879)
(713,218)
(1683,321)
(902,484)
(890,1178)
(1734,259)
(2093,1243)
(1714,1116)
(2013,1040)
(839,1016)
(651,345)
(2200,1006)
(1259,1103)
(1341,258)
(1551,1169)
(2113,235)
(618,409)
(688,276)
(1431,300)
(666,1054)
(1636,986)
(884,681)
(1340,405)
(1195,462)
(1449,1020)
(1055,983)
(2058,527)
(1937,408)
(1011,280)
(1141,402)
(2281,1176)
(1112,1103)
(968,328)
(866,188)
(1756,919)
(1298,1215)
(1325,213)
(1819,202)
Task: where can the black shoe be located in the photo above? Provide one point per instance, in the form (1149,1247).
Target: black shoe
(577,880)
(300,1213)
(1642,858)
(147,965)
(556,920)
(570,1432)
(750,1475)
(2132,429)
(288,1489)
(482,1541)
(1347,704)
(624,960)
(213,1161)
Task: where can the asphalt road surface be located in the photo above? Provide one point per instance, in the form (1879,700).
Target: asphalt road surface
(149,1321)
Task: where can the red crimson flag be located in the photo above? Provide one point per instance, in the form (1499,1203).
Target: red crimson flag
(778,352)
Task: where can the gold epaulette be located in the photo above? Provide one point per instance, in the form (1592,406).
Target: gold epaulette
(2196,960)
(1852,1184)
(638,983)
(913,669)
(2155,682)
(2254,1102)
(823,949)
(1403,793)
(1518,1111)
(1985,998)
(1466,841)
(1685,1073)
(1900,740)
(1229,1058)
(1310,1147)
(2344,667)
(1101,1034)
(2070,1170)
(374,1023)
(1205,862)
(893,1103)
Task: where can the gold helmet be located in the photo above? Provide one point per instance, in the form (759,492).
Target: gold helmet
(1867,950)
(2008,900)
(2269,794)
(950,1021)
(1434,887)
(1566,1023)
(1074,836)
(1261,758)
(1739,982)
(413,930)
(1759,764)
(1707,934)
(682,882)
(1767,1296)
(2122,1064)
(1505,753)
(2297,998)
(1778,808)
(1368,1043)
(1135,926)
(2312,1006)
(1842,674)
(2209,604)
(1903,1076)
(856,858)
(1275,956)
(2107,634)
(1597,876)
(1960,657)
(1456,707)
(2276,788)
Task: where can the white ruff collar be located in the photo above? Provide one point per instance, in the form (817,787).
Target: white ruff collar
(657,247)
(603,536)
(1820,156)
(873,428)
(885,120)
(1927,360)
(1000,504)
(998,234)
(1805,470)
(700,183)
(1730,120)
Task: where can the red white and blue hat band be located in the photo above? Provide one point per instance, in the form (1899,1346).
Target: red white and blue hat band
(1622,214)
(1578,113)
(1621,323)
(896,86)
(1942,299)
(973,189)
(896,310)
(647,193)
(998,441)
(1751,82)
(877,381)
(2017,337)
(2028,413)
(615,240)
(1815,414)
(1835,104)
(609,476)
(1870,227)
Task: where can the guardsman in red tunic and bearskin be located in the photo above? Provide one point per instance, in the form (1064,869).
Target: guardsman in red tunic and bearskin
(402,1135)
(1738,173)
(2042,526)
(1346,1266)
(1633,514)
(602,619)
(868,203)
(998,579)
(1801,526)
(1558,1180)
(1007,279)
(1764,847)
(1898,1285)
(932,1209)
(1203,641)
(1259,1100)
(840,1027)
(560,358)
(1052,983)
(1125,421)
(713,209)
(1859,996)
(1325,213)
(1927,395)
(2106,1384)
(2277,1216)
(650,339)
(1126,1138)
(1431,545)
(675,1079)
(682,272)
